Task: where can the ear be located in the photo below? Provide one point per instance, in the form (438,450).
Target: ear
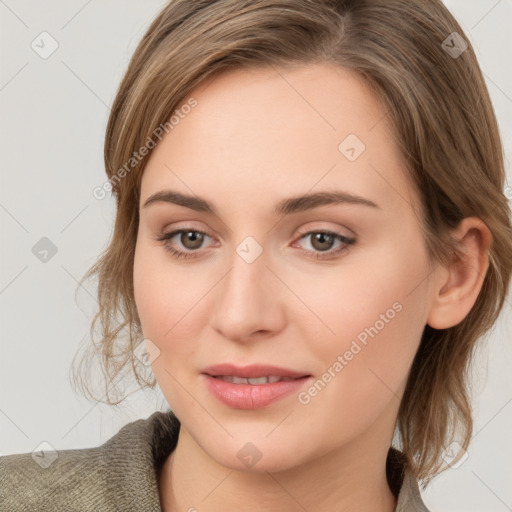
(459,282)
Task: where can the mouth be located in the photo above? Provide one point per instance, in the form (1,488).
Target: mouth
(254,386)
(255,381)
(253,374)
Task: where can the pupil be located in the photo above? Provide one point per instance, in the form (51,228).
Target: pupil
(321,237)
(195,238)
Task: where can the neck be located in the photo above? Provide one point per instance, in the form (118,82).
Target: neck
(347,479)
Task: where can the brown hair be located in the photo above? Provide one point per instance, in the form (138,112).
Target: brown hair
(438,107)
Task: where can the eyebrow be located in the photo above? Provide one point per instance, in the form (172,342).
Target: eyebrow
(284,207)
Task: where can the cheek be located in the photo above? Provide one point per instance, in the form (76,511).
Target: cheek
(377,310)
(160,293)
(377,294)
(363,374)
(172,302)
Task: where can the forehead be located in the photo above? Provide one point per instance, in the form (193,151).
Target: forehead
(266,133)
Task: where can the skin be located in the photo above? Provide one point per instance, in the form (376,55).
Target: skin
(254,138)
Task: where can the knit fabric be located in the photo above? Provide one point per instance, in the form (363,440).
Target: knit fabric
(122,474)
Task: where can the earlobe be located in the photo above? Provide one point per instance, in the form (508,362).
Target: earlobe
(459,283)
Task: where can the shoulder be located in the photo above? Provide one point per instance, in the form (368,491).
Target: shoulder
(60,480)
(117,475)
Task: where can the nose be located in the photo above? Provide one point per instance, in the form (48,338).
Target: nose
(249,299)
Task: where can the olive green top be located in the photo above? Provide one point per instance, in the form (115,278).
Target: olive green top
(122,474)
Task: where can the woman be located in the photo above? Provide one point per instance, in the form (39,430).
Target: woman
(311,236)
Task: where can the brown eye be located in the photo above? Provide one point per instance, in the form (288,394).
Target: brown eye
(186,240)
(191,239)
(322,241)
(322,244)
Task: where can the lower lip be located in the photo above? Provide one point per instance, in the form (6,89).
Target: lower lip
(252,396)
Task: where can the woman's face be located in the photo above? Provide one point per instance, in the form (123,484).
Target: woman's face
(263,286)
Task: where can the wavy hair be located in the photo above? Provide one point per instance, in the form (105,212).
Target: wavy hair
(441,116)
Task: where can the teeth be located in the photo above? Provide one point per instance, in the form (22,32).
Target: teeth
(254,381)
(258,380)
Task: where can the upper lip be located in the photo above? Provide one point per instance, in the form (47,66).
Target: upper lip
(251,371)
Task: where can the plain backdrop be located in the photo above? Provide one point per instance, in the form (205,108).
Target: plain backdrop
(53,116)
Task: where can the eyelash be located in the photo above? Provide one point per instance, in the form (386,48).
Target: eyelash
(164,237)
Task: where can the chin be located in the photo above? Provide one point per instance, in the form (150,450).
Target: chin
(255,453)
(250,459)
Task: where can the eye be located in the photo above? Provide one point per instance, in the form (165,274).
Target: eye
(322,241)
(192,240)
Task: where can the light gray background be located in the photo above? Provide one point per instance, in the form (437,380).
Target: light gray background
(53,118)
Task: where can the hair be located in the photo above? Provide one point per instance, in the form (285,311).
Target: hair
(440,115)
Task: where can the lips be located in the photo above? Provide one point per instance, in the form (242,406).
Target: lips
(253,374)
(253,386)
(255,381)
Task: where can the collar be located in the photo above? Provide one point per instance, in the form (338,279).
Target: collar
(156,437)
